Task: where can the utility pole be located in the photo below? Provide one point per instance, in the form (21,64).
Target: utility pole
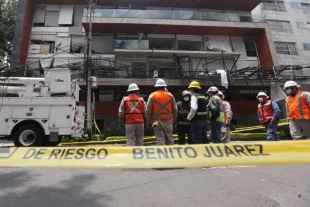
(88,70)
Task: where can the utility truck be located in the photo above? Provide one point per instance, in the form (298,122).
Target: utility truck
(42,111)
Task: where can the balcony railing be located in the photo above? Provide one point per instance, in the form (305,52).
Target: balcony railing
(171,14)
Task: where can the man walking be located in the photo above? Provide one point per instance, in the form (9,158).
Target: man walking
(297,110)
(227,119)
(198,114)
(268,115)
(184,125)
(161,113)
(132,113)
(215,109)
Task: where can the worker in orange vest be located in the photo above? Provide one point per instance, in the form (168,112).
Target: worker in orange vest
(297,110)
(161,113)
(132,113)
(268,115)
(227,119)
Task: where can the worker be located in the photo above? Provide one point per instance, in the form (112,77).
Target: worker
(268,115)
(297,110)
(198,114)
(184,125)
(227,119)
(132,112)
(216,114)
(161,113)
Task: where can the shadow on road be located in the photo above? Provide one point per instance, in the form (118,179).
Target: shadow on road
(22,188)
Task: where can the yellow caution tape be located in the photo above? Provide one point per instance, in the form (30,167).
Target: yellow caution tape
(173,156)
(95,123)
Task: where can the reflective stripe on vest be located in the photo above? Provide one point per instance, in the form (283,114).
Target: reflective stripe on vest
(265,112)
(133,109)
(162,106)
(297,107)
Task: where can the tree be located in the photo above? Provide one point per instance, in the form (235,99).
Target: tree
(8,9)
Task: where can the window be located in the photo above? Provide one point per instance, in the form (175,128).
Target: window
(306,46)
(279,26)
(295,5)
(54,16)
(274,6)
(286,48)
(305,8)
(302,25)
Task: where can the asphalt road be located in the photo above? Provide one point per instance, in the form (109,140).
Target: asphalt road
(269,186)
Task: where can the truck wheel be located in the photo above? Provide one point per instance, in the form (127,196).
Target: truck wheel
(28,135)
(54,143)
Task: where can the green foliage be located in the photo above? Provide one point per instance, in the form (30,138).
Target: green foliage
(8,9)
(114,132)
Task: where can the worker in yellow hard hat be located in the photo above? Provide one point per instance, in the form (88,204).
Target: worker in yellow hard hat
(198,114)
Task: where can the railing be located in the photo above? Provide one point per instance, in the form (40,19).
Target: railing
(171,14)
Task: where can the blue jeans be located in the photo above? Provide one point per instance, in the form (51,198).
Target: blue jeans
(272,131)
(199,131)
(215,132)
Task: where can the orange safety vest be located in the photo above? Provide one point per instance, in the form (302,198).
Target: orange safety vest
(297,107)
(134,109)
(265,112)
(162,106)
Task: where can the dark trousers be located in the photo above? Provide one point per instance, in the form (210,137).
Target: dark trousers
(184,130)
(199,131)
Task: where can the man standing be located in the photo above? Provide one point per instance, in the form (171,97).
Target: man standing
(227,119)
(268,115)
(161,113)
(297,110)
(184,125)
(215,108)
(198,114)
(132,113)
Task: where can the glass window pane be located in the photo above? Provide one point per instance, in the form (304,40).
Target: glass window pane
(302,25)
(306,46)
(281,6)
(295,5)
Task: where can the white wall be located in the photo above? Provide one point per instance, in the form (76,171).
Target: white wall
(298,36)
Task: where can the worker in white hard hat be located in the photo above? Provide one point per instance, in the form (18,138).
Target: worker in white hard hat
(269,115)
(161,113)
(297,110)
(216,114)
(132,114)
(184,125)
(227,119)
(198,114)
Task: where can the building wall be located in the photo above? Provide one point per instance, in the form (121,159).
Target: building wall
(298,35)
(22,31)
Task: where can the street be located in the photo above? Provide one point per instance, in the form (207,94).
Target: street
(269,186)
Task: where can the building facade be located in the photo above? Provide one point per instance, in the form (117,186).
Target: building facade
(135,41)
(289,22)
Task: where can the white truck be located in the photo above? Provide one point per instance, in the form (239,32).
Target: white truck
(43,109)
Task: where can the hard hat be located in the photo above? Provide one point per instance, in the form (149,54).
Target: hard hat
(160,83)
(186,93)
(262,94)
(290,83)
(220,93)
(133,87)
(212,89)
(194,84)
